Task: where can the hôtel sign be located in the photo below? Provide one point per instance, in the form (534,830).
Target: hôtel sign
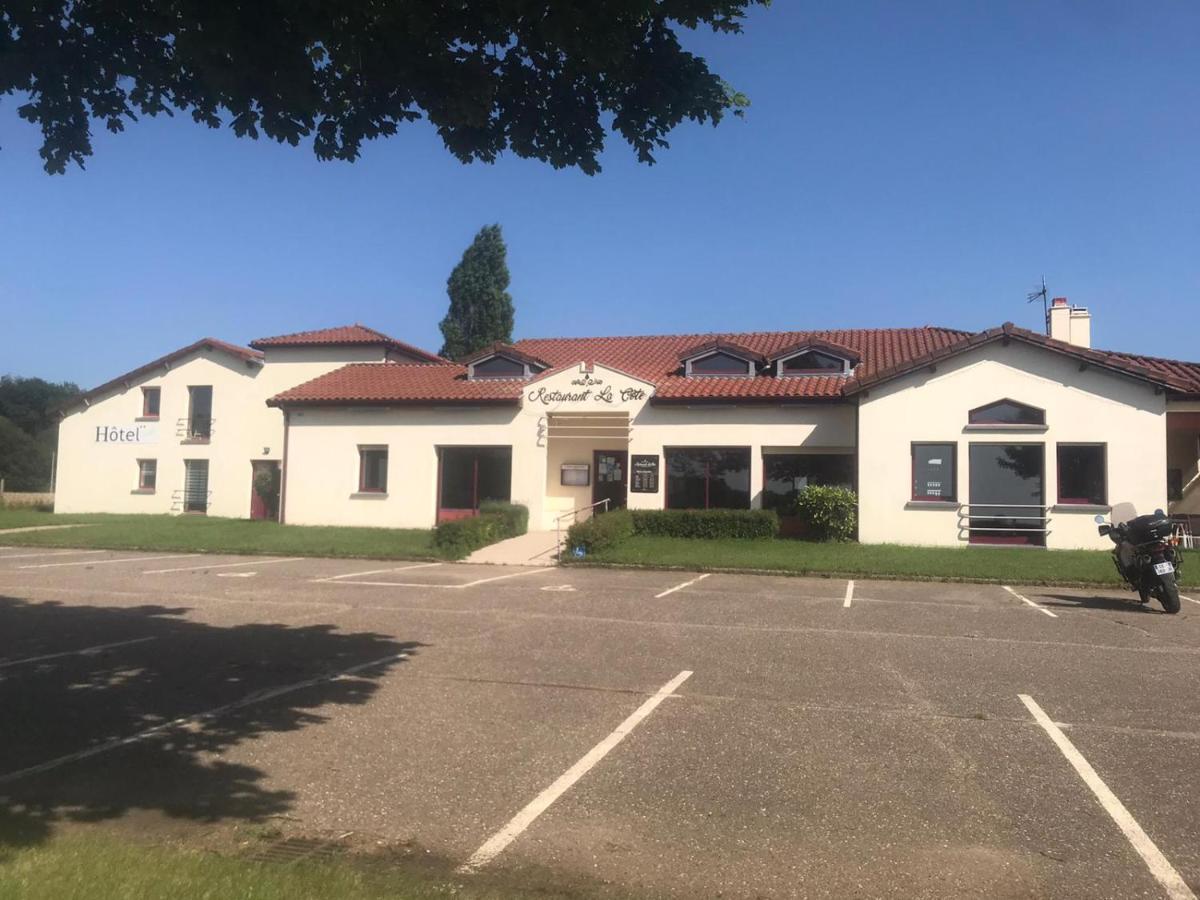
(142,433)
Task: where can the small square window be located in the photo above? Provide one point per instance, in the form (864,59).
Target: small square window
(150,401)
(147,475)
(933,472)
(372,470)
(1082,476)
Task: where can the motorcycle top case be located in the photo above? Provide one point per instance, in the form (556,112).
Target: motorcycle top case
(1144,529)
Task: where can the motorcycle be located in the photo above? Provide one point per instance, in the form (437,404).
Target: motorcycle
(1146,553)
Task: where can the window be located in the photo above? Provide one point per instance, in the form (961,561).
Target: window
(786,474)
(195,485)
(933,472)
(372,470)
(1174,484)
(1081,474)
(498,367)
(719,364)
(199,421)
(1007,412)
(147,475)
(150,401)
(470,476)
(708,478)
(812,362)
(1007,489)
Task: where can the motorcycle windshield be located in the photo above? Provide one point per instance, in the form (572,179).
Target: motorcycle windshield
(1123,512)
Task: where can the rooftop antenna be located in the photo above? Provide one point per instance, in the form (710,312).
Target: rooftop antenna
(1044,295)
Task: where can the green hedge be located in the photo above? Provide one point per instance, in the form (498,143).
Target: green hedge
(495,522)
(707,524)
(831,513)
(600,532)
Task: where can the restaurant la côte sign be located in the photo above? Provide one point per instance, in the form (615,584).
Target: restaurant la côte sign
(587,389)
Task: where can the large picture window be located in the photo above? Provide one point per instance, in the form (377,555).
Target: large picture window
(933,472)
(372,470)
(786,474)
(708,477)
(474,475)
(1082,475)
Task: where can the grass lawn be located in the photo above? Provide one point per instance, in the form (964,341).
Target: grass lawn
(97,867)
(205,534)
(1000,564)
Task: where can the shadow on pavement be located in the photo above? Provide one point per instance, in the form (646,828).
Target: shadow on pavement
(56,707)
(1120,604)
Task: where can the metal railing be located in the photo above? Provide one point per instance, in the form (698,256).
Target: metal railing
(194,428)
(558,527)
(967,518)
(180,499)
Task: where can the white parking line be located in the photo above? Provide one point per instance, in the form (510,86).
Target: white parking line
(849,594)
(680,587)
(376,572)
(52,553)
(1189,599)
(103,562)
(448,587)
(86,651)
(236,574)
(252,562)
(522,820)
(1159,867)
(248,700)
(1040,609)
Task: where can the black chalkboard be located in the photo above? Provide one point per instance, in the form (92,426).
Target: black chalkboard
(643,474)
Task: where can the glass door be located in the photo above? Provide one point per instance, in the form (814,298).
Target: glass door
(1007,499)
(610,482)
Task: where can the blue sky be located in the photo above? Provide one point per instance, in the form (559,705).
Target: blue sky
(902,164)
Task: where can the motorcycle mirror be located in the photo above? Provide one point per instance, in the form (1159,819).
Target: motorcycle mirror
(1159,513)
(1099,520)
(1105,530)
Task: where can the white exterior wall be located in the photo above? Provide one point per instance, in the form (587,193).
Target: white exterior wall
(97,476)
(1081,407)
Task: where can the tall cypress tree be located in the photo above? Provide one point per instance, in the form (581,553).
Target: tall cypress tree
(481,309)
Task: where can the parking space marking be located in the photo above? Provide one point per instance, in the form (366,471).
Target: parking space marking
(849,594)
(1159,867)
(200,717)
(448,587)
(51,553)
(102,562)
(680,587)
(376,572)
(1040,609)
(236,574)
(1189,599)
(522,820)
(252,562)
(86,651)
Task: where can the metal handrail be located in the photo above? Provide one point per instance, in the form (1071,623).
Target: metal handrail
(969,518)
(575,512)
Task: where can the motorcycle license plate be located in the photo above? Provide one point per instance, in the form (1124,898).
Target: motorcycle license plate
(1164,568)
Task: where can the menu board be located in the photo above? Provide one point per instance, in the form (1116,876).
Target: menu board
(643,474)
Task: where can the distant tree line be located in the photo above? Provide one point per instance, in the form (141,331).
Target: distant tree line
(29,430)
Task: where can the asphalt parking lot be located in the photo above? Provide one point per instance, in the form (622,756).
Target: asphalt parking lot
(668,733)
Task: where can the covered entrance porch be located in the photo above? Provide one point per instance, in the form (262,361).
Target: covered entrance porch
(587,461)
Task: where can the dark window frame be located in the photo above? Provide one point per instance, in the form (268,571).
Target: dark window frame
(148,392)
(143,487)
(784,372)
(363,451)
(477,375)
(1058,470)
(912,478)
(975,416)
(668,451)
(692,372)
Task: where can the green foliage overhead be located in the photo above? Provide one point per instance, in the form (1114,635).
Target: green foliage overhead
(481,309)
(540,79)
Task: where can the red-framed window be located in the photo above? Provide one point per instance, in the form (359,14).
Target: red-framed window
(150,402)
(1083,474)
(707,477)
(935,472)
(372,470)
(147,475)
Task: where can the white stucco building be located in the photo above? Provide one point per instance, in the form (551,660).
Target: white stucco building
(949,437)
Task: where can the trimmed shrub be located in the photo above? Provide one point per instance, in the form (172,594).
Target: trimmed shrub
(830,513)
(495,522)
(600,531)
(707,524)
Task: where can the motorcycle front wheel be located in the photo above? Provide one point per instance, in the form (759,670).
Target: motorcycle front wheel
(1169,593)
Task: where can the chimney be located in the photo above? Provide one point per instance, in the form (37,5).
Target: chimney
(1072,324)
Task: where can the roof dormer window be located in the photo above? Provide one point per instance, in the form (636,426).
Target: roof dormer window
(498,367)
(720,363)
(814,358)
(503,361)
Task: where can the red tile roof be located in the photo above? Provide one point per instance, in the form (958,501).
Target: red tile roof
(344,336)
(885,353)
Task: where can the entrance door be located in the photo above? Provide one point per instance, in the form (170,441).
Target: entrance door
(1007,494)
(264,489)
(612,471)
(195,485)
(469,476)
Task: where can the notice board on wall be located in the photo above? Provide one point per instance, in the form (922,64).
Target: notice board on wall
(643,473)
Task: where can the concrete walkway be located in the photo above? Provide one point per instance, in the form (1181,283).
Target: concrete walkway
(535,548)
